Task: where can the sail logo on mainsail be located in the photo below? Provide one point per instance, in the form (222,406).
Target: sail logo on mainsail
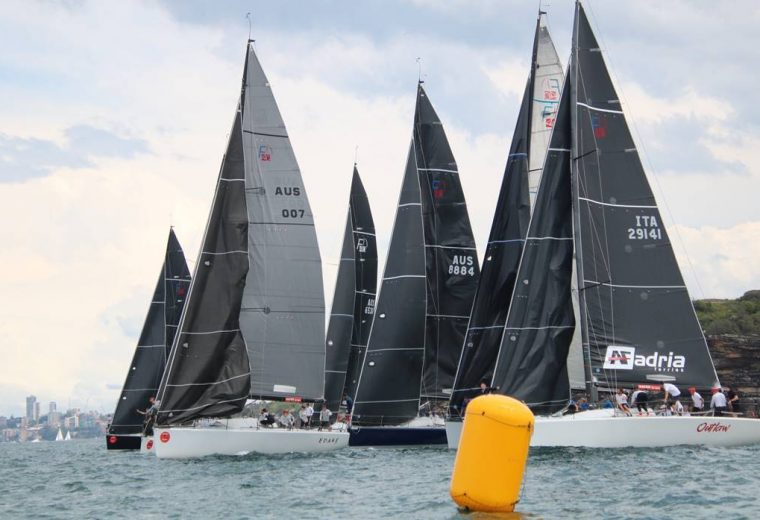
(599,124)
(625,358)
(265,152)
(361,245)
(439,188)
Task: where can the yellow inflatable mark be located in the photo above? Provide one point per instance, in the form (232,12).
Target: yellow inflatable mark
(492,454)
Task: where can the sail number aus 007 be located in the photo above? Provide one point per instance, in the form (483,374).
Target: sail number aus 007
(646,228)
(462,265)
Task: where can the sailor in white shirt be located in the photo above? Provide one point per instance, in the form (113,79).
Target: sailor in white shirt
(671,395)
(718,401)
(699,402)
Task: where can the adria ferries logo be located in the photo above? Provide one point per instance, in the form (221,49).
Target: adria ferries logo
(625,358)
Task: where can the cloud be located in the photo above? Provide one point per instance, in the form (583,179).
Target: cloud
(28,158)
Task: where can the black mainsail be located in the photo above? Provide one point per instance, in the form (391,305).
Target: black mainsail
(531,363)
(427,288)
(536,118)
(353,305)
(638,321)
(155,341)
(254,322)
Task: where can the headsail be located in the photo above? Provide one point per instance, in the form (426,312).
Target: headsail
(155,341)
(353,305)
(531,364)
(639,321)
(510,223)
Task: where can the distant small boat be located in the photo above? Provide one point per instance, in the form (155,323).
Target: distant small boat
(68,436)
(147,366)
(59,437)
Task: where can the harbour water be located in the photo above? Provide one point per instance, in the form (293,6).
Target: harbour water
(79,479)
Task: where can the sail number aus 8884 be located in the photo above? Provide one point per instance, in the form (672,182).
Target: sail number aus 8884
(646,228)
(462,265)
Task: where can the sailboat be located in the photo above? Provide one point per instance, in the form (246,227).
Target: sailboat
(253,326)
(638,325)
(147,366)
(353,306)
(424,303)
(535,121)
(68,436)
(59,435)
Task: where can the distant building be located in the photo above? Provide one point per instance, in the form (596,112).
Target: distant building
(53,407)
(30,407)
(36,411)
(54,418)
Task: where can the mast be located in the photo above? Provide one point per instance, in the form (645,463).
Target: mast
(155,341)
(591,389)
(640,322)
(354,301)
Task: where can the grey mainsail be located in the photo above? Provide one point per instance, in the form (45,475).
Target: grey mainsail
(283,311)
(526,156)
(254,321)
(353,305)
(427,288)
(155,341)
(531,363)
(638,320)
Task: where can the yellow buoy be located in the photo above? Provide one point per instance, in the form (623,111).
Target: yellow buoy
(493,450)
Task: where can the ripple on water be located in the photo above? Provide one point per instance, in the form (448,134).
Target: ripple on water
(661,483)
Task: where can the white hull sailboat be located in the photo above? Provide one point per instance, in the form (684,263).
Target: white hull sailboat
(609,429)
(253,324)
(596,218)
(240,437)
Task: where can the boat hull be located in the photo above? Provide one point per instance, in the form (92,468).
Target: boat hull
(453,432)
(124,442)
(191,442)
(605,429)
(397,436)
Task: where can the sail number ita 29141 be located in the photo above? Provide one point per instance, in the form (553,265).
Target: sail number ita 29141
(646,228)
(462,265)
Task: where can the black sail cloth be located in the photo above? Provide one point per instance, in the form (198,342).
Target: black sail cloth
(155,341)
(427,288)
(497,279)
(531,364)
(639,321)
(354,301)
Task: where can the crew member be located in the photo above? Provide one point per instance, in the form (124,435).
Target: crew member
(718,401)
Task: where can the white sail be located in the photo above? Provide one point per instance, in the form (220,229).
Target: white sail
(547,87)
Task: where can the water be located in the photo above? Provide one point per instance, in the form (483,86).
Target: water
(79,479)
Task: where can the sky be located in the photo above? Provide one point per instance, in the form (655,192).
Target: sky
(114,116)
